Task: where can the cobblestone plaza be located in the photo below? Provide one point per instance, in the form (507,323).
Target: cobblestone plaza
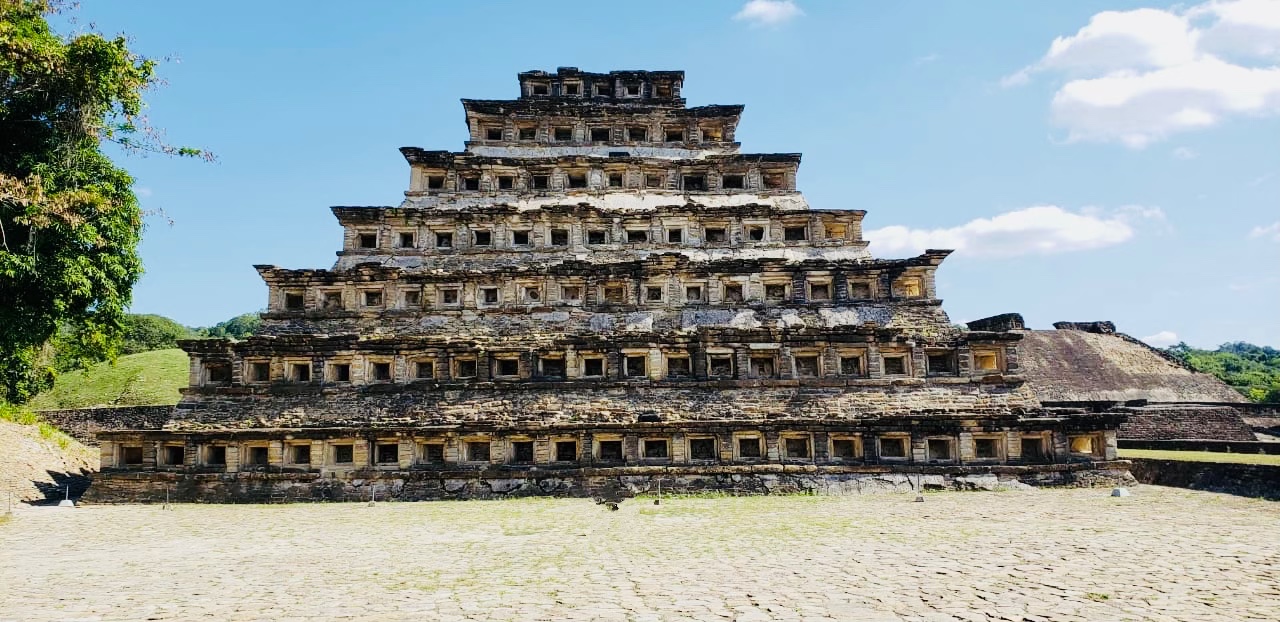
(1061,555)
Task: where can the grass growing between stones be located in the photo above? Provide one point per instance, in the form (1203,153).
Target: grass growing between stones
(1200,456)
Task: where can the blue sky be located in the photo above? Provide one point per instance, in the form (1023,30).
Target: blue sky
(1127,172)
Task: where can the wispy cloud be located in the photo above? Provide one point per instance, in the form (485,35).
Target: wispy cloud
(143,192)
(1036,230)
(1183,153)
(1137,77)
(768,12)
(1270,232)
(926,59)
(1261,179)
(1162,339)
(1251,285)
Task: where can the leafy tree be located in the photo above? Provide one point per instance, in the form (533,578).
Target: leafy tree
(238,327)
(1179,351)
(1252,370)
(1272,396)
(69,220)
(144,333)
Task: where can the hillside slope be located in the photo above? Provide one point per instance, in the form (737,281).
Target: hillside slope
(35,465)
(1071,365)
(136,379)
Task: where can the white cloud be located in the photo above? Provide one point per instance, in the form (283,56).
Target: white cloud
(926,59)
(1124,40)
(768,12)
(1162,339)
(1271,231)
(1261,179)
(1244,28)
(1183,153)
(1136,77)
(1037,230)
(143,192)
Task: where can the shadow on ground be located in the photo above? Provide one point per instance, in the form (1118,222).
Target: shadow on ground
(61,485)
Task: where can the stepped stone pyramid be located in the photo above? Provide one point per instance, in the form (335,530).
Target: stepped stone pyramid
(601,290)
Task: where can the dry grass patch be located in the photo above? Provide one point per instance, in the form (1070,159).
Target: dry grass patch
(1200,456)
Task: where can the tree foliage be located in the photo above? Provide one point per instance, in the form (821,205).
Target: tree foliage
(144,333)
(238,327)
(1252,370)
(69,220)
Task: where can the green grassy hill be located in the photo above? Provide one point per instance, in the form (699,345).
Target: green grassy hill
(136,379)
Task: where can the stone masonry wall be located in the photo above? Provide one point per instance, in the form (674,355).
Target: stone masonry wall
(83,424)
(1186,421)
(916,319)
(1264,419)
(285,406)
(1249,480)
(123,487)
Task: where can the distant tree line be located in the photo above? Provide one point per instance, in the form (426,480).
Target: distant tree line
(1252,370)
(238,327)
(144,333)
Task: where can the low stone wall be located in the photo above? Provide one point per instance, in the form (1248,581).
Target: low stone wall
(1268,410)
(1248,480)
(1186,421)
(1264,426)
(1233,447)
(83,424)
(157,487)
